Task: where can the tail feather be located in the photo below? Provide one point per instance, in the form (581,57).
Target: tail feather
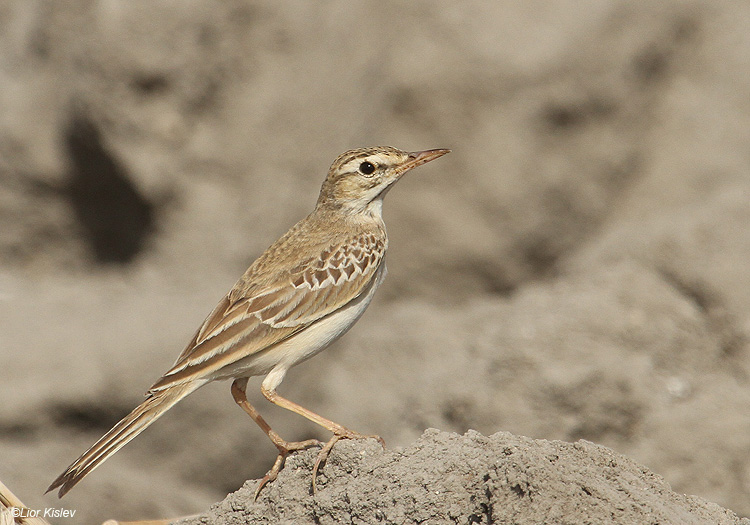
(129,427)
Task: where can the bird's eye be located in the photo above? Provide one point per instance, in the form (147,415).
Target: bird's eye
(367,168)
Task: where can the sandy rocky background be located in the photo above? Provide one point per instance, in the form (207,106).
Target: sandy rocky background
(576,269)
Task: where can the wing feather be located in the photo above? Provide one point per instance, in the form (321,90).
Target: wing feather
(249,320)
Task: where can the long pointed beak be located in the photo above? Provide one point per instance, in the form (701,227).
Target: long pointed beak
(417,158)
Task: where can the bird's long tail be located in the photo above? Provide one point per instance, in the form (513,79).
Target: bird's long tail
(129,427)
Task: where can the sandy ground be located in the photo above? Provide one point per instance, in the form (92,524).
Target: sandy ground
(575,269)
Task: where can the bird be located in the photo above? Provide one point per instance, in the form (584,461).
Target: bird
(304,292)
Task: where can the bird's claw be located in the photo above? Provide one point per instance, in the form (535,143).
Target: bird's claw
(326,450)
(285,447)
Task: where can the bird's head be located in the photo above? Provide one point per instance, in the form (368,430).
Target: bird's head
(359,178)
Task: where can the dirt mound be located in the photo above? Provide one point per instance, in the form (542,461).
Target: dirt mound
(447,478)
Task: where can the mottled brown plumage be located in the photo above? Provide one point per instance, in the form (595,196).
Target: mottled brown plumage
(301,294)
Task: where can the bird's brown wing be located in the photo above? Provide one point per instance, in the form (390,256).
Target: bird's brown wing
(252,318)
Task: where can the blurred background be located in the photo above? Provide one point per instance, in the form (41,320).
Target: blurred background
(576,268)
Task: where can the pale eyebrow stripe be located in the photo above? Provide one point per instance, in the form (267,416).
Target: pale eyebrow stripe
(360,155)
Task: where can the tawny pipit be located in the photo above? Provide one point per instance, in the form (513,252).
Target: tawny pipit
(305,291)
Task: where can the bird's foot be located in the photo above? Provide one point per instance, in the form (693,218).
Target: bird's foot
(284,447)
(326,450)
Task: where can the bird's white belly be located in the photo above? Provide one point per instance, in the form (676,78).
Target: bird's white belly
(277,359)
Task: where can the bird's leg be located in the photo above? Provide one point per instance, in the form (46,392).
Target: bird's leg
(284,447)
(339,431)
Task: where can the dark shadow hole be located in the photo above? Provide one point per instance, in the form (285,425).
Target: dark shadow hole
(151,84)
(86,417)
(561,116)
(115,218)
